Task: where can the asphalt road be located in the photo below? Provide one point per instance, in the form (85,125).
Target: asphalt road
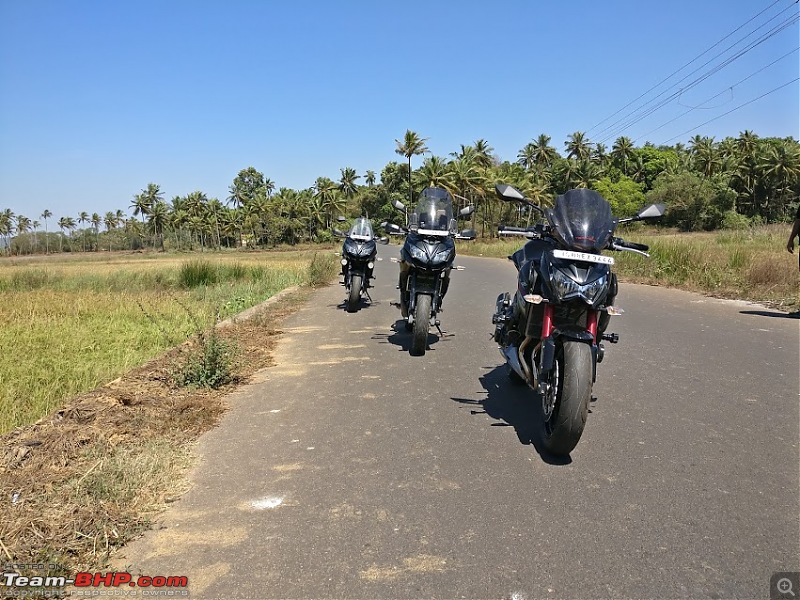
(354,470)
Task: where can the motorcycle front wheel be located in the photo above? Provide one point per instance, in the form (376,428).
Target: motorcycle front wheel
(566,404)
(355,293)
(422,321)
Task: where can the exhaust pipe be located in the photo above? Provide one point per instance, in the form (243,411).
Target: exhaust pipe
(512,358)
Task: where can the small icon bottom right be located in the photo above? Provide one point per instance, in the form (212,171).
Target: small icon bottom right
(784,585)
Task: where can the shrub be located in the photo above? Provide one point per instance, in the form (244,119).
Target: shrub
(211,365)
(733,220)
(196,273)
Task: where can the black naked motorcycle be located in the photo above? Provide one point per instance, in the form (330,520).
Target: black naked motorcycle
(426,260)
(551,332)
(359,253)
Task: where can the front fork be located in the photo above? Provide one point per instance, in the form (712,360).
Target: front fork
(548,345)
(412,290)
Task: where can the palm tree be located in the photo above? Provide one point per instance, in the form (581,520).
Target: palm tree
(269,186)
(65,223)
(433,173)
(83,217)
(369,178)
(157,219)
(35,226)
(782,165)
(110,222)
(586,174)
(411,145)
(141,205)
(527,156)
(46,214)
(600,156)
(543,153)
(96,220)
(7,227)
(483,153)
(622,153)
(23,226)
(325,191)
(707,158)
(347,183)
(578,146)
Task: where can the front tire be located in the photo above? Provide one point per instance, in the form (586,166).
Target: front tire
(422,321)
(355,293)
(566,405)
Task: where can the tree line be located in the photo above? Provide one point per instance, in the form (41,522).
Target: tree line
(706,184)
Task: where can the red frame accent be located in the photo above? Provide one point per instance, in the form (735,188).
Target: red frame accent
(547,321)
(591,323)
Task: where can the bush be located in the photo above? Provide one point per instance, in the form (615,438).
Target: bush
(693,203)
(196,273)
(733,220)
(211,365)
(322,269)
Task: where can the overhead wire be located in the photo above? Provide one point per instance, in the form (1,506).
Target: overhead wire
(751,19)
(730,87)
(644,111)
(733,109)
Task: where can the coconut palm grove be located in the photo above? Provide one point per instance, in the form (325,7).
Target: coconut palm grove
(706,184)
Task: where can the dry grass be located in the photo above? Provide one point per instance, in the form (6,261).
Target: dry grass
(83,481)
(70,325)
(91,475)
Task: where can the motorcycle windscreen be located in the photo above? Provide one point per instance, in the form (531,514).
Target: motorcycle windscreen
(581,219)
(361,230)
(433,214)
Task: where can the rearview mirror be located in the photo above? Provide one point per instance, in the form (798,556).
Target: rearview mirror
(466,234)
(654,211)
(383,240)
(392,228)
(466,211)
(508,193)
(338,233)
(341,219)
(398,205)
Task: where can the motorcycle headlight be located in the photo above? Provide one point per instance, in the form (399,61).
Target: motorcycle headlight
(417,253)
(441,256)
(591,290)
(563,285)
(566,287)
(344,261)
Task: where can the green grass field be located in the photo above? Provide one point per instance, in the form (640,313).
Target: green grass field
(72,323)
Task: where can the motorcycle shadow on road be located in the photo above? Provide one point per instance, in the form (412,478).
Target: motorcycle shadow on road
(514,406)
(402,338)
(776,314)
(362,304)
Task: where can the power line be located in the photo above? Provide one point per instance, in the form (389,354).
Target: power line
(684,66)
(642,112)
(683,114)
(732,110)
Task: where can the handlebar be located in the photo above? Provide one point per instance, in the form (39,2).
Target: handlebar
(619,242)
(535,231)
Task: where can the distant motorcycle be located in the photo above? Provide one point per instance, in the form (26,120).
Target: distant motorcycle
(551,332)
(426,260)
(359,253)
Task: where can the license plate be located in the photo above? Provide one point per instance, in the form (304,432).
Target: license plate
(584,256)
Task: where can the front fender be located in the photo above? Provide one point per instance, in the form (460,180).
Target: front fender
(576,334)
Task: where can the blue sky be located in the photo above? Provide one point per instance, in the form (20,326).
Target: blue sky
(99,98)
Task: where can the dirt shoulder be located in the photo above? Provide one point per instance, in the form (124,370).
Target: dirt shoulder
(79,484)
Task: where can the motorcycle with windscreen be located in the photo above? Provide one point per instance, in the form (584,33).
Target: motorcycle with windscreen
(426,260)
(359,253)
(552,331)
